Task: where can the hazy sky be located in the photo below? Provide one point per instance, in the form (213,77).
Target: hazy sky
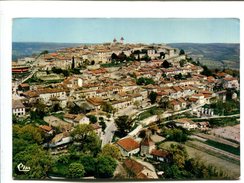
(144,30)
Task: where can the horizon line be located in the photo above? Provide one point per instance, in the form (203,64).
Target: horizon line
(128,42)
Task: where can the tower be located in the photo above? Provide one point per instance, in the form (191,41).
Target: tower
(115,40)
(121,40)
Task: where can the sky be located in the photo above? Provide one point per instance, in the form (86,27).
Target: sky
(134,30)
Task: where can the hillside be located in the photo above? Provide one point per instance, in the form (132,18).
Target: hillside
(214,55)
(22,49)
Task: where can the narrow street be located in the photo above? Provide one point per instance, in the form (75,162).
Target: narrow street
(108,133)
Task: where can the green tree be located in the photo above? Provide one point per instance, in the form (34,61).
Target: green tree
(64,159)
(145,81)
(57,70)
(102,123)
(92,62)
(164,103)
(39,161)
(182,63)
(38,111)
(105,167)
(56,108)
(75,109)
(66,73)
(182,52)
(146,58)
(172,172)
(179,154)
(140,81)
(206,71)
(124,124)
(89,164)
(76,170)
(176,134)
(131,57)
(121,57)
(107,107)
(162,54)
(153,96)
(28,133)
(166,64)
(92,118)
(111,150)
(14,119)
(44,52)
(137,104)
(86,139)
(178,76)
(114,57)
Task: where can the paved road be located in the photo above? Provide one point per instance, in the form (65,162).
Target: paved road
(163,116)
(109,133)
(212,117)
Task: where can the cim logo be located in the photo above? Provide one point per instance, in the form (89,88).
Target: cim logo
(23,168)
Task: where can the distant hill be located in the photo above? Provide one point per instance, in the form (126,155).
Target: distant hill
(23,49)
(214,55)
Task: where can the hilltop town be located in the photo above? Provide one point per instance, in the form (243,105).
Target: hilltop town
(120,110)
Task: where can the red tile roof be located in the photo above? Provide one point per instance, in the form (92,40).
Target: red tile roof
(45,128)
(70,116)
(96,126)
(141,176)
(128,144)
(95,101)
(134,166)
(193,99)
(16,104)
(230,79)
(159,153)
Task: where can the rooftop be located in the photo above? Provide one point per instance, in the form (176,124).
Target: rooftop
(128,144)
(16,104)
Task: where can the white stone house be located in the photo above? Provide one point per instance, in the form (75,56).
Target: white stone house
(200,99)
(128,146)
(186,123)
(76,118)
(175,105)
(18,108)
(231,82)
(122,104)
(49,93)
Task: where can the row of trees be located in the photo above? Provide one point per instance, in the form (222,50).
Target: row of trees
(135,56)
